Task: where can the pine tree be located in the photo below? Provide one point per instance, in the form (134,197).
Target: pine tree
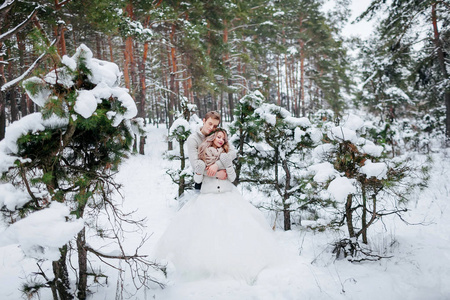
(271,149)
(69,152)
(180,131)
(244,127)
(398,32)
(364,181)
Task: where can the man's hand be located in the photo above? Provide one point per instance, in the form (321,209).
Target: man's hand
(222,174)
(212,170)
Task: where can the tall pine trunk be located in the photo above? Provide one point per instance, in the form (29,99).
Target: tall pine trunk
(2,101)
(12,93)
(172,77)
(226,61)
(302,79)
(441,59)
(21,48)
(142,101)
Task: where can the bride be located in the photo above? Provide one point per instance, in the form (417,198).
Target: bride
(218,233)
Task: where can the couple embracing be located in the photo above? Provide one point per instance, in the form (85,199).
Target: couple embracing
(218,233)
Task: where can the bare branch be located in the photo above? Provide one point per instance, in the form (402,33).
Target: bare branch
(25,180)
(59,5)
(110,256)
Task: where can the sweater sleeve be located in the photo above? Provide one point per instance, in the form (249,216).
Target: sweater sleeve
(227,161)
(192,149)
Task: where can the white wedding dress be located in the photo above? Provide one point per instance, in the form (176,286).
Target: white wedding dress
(218,234)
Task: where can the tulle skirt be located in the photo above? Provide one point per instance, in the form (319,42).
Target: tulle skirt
(217,235)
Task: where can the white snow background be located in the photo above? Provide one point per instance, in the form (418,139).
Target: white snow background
(419,267)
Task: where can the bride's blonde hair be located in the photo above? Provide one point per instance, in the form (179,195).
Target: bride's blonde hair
(208,142)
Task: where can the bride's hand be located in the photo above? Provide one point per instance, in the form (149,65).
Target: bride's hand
(222,175)
(212,170)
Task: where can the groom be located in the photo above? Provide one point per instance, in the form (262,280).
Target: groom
(210,123)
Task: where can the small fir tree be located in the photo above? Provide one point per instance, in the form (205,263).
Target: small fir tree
(273,145)
(365,183)
(180,131)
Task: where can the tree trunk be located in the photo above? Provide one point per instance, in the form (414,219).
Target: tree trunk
(278,81)
(110,46)
(241,154)
(286,80)
(182,184)
(287,218)
(128,51)
(441,59)
(13,103)
(230,101)
(349,216)
(2,106)
(286,205)
(172,77)
(364,214)
(30,105)
(226,60)
(141,100)
(61,280)
(98,45)
(82,265)
(302,79)
(12,93)
(62,42)
(126,63)
(21,48)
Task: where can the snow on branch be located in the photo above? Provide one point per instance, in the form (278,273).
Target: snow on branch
(7,34)
(15,81)
(6,4)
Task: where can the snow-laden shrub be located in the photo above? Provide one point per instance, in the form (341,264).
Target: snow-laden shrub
(180,131)
(362,178)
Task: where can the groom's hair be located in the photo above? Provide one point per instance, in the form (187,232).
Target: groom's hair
(213,115)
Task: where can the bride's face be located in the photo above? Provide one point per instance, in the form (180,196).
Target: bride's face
(219,140)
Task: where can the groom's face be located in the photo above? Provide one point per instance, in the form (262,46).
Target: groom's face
(209,125)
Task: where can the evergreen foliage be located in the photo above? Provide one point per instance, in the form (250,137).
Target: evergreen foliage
(180,132)
(378,183)
(352,168)
(409,71)
(271,146)
(69,153)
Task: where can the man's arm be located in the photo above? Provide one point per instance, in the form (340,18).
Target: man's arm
(192,149)
(226,160)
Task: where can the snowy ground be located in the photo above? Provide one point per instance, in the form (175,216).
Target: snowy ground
(419,268)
